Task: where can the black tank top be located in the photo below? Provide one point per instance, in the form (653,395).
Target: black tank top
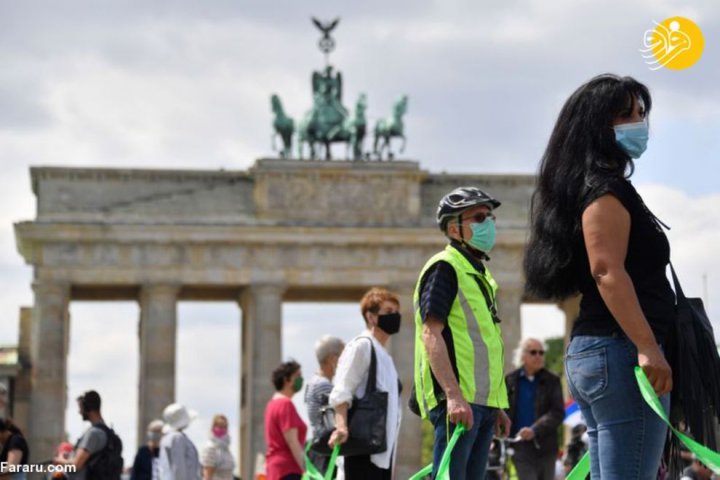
(648,255)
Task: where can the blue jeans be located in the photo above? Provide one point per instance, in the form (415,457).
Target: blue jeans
(626,436)
(469,458)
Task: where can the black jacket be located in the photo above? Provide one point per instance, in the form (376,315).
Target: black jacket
(549,407)
(142,468)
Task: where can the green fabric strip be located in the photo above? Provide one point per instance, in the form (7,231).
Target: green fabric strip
(443,470)
(312,473)
(709,457)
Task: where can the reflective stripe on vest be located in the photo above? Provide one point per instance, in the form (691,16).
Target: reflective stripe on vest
(477,340)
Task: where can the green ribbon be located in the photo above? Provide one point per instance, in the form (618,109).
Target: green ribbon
(708,457)
(312,473)
(443,470)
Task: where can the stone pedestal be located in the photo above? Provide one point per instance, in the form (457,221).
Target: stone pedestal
(509,299)
(49,348)
(261,332)
(157,332)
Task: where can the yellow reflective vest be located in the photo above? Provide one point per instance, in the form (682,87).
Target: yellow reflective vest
(476,337)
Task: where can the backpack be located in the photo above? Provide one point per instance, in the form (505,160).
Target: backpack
(107,464)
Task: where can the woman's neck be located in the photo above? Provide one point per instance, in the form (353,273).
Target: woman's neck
(286,392)
(379,335)
(326,371)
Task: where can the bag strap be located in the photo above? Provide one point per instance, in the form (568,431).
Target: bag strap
(371,385)
(489,300)
(678,289)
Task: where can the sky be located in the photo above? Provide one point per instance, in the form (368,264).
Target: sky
(186,84)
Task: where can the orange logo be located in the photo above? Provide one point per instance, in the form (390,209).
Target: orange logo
(676,43)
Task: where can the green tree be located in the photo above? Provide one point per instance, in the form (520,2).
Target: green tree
(554,355)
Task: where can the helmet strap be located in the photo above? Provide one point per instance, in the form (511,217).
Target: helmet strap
(460,228)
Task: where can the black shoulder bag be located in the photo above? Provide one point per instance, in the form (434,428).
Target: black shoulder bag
(693,356)
(366,420)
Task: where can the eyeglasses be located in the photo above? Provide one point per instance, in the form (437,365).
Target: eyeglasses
(536,352)
(479,217)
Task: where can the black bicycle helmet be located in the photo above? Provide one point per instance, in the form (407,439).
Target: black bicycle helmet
(459,200)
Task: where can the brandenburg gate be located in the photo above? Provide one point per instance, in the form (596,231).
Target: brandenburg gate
(284,230)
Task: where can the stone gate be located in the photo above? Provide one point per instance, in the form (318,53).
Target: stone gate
(284,230)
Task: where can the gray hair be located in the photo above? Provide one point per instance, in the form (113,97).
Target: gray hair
(517,354)
(326,346)
(155,426)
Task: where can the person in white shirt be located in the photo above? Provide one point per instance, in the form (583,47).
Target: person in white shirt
(215,457)
(379,309)
(178,455)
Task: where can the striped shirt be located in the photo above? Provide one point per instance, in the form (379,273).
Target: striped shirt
(316,396)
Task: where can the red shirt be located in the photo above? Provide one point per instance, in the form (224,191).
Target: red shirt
(281,416)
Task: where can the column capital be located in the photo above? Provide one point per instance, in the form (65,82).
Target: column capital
(265,288)
(44,287)
(160,289)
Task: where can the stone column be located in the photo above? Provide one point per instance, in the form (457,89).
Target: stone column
(157,336)
(23,381)
(509,299)
(571,308)
(261,348)
(48,351)
(402,348)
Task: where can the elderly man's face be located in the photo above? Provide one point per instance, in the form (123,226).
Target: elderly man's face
(459,229)
(533,356)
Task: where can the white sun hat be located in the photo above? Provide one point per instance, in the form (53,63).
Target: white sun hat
(177,417)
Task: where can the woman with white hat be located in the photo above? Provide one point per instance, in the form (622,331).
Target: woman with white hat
(178,456)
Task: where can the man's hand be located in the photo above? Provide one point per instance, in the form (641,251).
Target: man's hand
(459,411)
(526,433)
(502,424)
(656,368)
(338,437)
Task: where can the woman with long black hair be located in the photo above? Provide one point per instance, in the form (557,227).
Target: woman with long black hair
(592,234)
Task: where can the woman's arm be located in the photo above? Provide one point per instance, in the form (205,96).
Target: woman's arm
(293,441)
(208,473)
(606,229)
(14,457)
(353,367)
(340,435)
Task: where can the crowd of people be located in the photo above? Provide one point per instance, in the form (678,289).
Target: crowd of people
(590,233)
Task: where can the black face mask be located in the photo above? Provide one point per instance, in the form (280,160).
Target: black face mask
(390,323)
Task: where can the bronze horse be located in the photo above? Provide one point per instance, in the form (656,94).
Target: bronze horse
(388,128)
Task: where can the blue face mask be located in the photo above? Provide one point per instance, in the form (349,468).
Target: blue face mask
(483,235)
(632,137)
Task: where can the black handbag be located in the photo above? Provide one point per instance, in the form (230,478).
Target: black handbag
(692,354)
(366,420)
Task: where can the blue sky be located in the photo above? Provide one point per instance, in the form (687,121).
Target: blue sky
(186,84)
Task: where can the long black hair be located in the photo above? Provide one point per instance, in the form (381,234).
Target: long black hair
(7,425)
(581,154)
